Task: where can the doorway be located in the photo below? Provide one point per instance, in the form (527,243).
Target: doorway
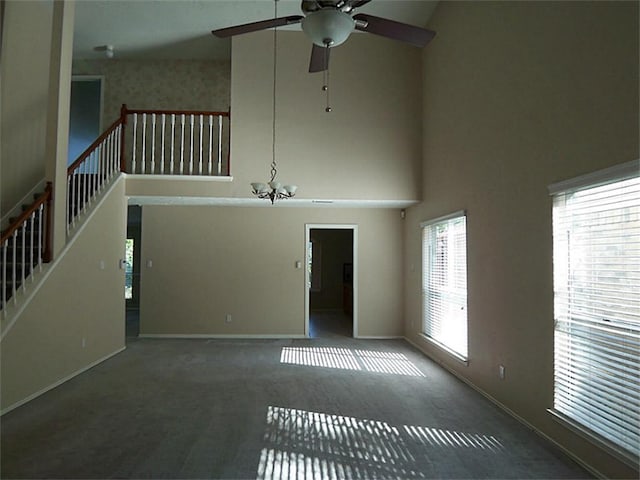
(132,270)
(331,308)
(85,114)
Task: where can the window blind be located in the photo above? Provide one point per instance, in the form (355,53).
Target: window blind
(596,269)
(444,283)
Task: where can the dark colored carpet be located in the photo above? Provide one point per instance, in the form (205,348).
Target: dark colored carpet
(318,408)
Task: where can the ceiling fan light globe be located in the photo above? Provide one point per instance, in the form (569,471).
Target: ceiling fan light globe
(328,26)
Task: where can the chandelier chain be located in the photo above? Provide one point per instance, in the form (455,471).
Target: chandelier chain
(274,171)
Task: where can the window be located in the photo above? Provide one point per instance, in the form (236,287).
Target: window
(596,275)
(444,282)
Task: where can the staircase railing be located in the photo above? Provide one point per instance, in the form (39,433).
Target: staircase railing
(93,170)
(25,246)
(159,142)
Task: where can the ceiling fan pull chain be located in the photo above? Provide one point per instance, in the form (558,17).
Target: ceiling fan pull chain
(325,87)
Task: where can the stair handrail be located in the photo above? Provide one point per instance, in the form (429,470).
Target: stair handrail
(83,156)
(93,170)
(44,198)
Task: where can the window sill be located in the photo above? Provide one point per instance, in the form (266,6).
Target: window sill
(592,437)
(444,348)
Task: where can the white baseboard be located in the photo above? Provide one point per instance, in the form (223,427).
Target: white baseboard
(510,412)
(60,382)
(214,335)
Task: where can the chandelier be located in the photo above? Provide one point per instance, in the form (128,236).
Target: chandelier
(274,190)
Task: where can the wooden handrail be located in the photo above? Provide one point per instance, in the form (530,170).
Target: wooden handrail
(175,112)
(44,198)
(93,146)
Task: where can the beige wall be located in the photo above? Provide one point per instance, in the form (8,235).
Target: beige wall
(211,261)
(79,301)
(24,90)
(367,147)
(518,96)
(160,84)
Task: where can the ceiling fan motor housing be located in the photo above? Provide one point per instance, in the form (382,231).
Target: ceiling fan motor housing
(328,27)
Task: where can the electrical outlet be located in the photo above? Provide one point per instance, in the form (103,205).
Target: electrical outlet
(227,318)
(501,372)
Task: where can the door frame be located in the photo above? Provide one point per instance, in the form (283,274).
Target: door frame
(307,239)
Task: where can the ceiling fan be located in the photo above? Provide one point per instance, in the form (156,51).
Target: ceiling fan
(328,23)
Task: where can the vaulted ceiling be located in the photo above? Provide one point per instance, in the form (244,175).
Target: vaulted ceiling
(181,29)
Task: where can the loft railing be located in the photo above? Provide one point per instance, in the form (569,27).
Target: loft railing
(176,142)
(24,247)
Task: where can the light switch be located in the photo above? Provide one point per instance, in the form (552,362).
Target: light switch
(298,264)
(149,263)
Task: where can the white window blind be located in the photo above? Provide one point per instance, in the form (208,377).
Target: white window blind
(596,270)
(444,283)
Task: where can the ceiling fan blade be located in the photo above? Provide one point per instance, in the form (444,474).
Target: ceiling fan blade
(256,26)
(319,59)
(391,29)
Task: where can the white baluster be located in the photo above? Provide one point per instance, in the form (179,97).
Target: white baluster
(153,143)
(94,169)
(133,153)
(219,144)
(210,143)
(191,146)
(3,283)
(31,245)
(200,166)
(69,199)
(41,210)
(173,140)
(117,153)
(104,160)
(144,143)
(162,144)
(113,138)
(24,234)
(85,181)
(182,122)
(14,272)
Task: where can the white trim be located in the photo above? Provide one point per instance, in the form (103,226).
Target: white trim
(459,213)
(445,349)
(217,335)
(378,337)
(577,428)
(510,412)
(307,238)
(10,316)
(26,200)
(621,171)
(187,178)
(61,381)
